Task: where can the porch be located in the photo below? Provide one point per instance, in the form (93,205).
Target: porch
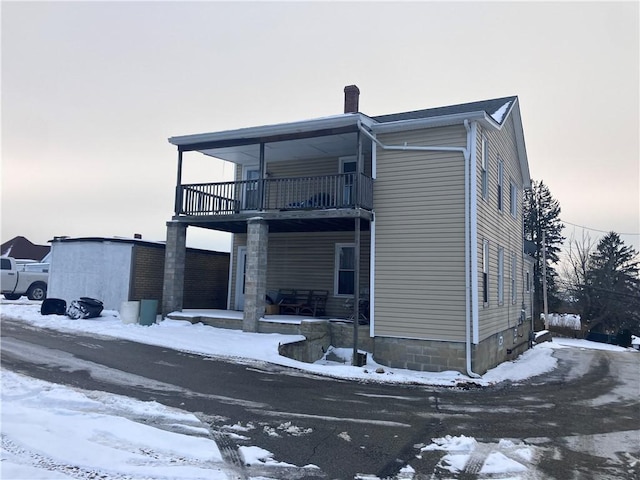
(311,203)
(318,333)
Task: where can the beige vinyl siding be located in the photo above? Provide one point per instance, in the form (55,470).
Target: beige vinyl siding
(419,207)
(304,168)
(501,229)
(305,260)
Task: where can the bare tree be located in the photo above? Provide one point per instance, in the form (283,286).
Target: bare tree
(575,268)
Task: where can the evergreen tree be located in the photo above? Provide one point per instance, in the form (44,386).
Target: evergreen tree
(542,214)
(611,294)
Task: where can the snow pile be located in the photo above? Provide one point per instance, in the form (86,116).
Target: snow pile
(466,454)
(498,115)
(248,347)
(564,320)
(49,428)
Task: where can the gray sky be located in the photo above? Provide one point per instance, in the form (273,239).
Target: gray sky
(91,92)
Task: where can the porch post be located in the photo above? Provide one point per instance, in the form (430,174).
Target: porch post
(356,252)
(174,263)
(178,200)
(356,291)
(261,189)
(255,289)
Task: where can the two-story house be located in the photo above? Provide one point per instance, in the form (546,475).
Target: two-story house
(419,213)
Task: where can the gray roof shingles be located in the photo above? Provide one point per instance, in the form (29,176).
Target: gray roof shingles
(488,106)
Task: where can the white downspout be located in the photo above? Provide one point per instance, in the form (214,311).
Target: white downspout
(471,246)
(372,249)
(469,157)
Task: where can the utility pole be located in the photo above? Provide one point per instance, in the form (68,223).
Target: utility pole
(544,281)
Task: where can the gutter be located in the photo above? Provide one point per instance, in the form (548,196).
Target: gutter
(469,157)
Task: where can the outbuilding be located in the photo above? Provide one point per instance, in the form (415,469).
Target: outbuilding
(115,270)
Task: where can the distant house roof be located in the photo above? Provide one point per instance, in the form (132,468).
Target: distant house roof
(20,247)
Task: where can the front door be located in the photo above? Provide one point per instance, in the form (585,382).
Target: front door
(251,191)
(240,277)
(348,167)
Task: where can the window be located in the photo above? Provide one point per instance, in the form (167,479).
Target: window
(500,182)
(483,165)
(500,275)
(513,200)
(527,282)
(6,264)
(485,272)
(514,269)
(344,279)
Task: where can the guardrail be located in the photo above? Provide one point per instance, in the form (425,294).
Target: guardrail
(347,190)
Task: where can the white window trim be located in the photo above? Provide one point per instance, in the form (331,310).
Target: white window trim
(484,161)
(336,269)
(513,199)
(500,185)
(348,159)
(514,271)
(485,271)
(500,276)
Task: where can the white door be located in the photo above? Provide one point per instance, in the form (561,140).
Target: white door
(240,277)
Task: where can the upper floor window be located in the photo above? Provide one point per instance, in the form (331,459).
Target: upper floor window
(344,275)
(500,182)
(483,165)
(513,200)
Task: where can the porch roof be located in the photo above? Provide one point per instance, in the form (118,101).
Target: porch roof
(336,135)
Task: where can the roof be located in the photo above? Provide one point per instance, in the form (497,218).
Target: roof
(309,138)
(495,108)
(20,247)
(129,241)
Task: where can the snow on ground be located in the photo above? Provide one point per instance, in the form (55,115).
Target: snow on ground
(50,431)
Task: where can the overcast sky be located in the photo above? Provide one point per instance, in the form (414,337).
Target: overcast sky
(91,92)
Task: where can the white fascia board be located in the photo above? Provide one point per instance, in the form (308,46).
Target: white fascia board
(414,124)
(520,145)
(303,126)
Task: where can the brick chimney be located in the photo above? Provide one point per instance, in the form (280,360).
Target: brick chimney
(351,98)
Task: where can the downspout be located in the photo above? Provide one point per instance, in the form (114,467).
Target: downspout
(471,257)
(469,156)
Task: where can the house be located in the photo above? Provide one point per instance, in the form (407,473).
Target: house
(115,270)
(418,213)
(21,248)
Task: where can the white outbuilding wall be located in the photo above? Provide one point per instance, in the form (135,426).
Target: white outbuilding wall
(100,270)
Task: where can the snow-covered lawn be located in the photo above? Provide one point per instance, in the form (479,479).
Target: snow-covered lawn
(51,431)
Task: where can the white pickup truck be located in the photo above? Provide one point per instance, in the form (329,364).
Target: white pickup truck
(17,282)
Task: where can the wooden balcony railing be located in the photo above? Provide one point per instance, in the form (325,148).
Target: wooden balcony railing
(346,190)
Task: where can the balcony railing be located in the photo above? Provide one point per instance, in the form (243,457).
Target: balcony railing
(347,190)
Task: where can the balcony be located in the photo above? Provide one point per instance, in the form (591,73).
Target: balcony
(309,194)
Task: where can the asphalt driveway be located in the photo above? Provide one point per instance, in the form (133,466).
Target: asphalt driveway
(580,421)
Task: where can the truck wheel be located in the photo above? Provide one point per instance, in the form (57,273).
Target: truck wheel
(37,291)
(12,296)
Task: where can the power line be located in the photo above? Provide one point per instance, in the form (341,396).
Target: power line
(596,230)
